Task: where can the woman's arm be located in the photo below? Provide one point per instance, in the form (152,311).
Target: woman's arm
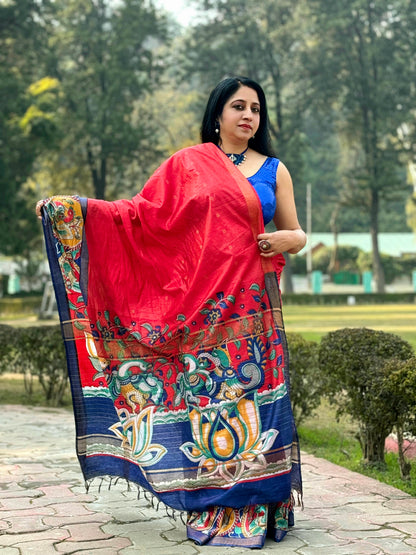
(289,236)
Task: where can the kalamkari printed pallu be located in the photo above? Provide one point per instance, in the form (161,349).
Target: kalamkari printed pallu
(176,348)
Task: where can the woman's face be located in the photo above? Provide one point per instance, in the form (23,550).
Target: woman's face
(240,117)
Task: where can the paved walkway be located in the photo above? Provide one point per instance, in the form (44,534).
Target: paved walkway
(44,508)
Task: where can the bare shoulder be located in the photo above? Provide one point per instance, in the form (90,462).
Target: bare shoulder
(283,176)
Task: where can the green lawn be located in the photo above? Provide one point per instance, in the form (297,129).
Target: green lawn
(335,440)
(315,321)
(13,392)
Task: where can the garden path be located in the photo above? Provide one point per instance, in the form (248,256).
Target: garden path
(45,510)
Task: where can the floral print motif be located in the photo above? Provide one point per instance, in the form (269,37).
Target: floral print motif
(245,527)
(215,313)
(136,433)
(156,334)
(228,441)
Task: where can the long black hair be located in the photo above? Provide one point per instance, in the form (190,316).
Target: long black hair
(215,105)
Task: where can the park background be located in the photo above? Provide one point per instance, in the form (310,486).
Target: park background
(95,94)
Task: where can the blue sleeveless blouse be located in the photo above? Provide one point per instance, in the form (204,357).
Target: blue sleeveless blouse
(264,183)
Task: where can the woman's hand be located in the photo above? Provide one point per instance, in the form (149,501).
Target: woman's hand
(39,206)
(285,240)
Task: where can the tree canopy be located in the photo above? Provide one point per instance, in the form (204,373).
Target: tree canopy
(105,59)
(97,93)
(21,39)
(356,63)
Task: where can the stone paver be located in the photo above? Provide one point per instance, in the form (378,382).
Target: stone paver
(44,508)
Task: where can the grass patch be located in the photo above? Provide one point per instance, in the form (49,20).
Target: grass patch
(322,435)
(314,321)
(12,391)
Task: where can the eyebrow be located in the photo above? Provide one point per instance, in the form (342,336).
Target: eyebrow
(242,100)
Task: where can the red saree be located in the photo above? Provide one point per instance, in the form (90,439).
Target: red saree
(175,342)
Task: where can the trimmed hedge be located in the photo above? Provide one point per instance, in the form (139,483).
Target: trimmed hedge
(401,389)
(10,306)
(306,384)
(7,341)
(36,351)
(342,298)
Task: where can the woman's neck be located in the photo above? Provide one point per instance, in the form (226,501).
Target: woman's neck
(232,148)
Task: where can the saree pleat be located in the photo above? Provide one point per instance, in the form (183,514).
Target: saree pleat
(175,343)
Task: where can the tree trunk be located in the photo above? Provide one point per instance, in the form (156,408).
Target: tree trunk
(405,466)
(370,135)
(333,263)
(99,177)
(287,277)
(28,381)
(99,188)
(372,443)
(377,267)
(101,185)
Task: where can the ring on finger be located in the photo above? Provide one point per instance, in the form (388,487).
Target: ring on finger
(264,245)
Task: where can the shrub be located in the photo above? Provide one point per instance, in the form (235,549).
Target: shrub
(353,361)
(400,386)
(41,353)
(305,379)
(298,264)
(346,260)
(391,265)
(7,342)
(321,259)
(407,264)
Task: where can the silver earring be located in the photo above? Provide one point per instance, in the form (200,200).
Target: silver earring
(217,130)
(217,127)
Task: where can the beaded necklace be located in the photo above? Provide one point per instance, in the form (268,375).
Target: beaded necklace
(237,159)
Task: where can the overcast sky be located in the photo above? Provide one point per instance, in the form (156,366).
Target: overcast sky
(179,8)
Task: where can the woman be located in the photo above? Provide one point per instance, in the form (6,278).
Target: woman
(236,120)
(171,316)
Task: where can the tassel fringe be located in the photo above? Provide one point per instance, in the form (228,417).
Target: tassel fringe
(155,502)
(152,499)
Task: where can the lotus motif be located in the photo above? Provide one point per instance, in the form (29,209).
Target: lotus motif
(136,431)
(228,441)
